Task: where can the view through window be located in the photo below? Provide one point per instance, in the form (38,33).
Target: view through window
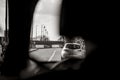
(46,43)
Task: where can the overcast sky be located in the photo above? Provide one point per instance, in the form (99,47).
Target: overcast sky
(47,13)
(2,17)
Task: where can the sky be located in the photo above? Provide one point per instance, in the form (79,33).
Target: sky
(2,17)
(47,13)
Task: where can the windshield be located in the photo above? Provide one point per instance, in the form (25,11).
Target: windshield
(73,46)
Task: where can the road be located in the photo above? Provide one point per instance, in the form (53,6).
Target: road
(46,54)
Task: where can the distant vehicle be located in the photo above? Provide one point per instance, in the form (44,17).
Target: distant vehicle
(72,50)
(47,46)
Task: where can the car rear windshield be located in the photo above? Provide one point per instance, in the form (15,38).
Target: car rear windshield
(73,46)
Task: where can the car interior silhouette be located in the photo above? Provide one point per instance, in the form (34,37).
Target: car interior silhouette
(77,18)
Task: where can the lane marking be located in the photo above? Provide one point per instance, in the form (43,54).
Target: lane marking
(52,55)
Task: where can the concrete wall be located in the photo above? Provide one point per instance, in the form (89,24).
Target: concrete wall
(55,46)
(39,46)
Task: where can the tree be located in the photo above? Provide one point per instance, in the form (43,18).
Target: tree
(61,38)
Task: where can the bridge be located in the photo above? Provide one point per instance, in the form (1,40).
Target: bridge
(47,42)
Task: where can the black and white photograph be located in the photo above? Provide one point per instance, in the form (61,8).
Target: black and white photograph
(54,39)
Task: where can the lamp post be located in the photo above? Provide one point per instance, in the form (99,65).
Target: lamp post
(42,26)
(36,32)
(43,32)
(47,34)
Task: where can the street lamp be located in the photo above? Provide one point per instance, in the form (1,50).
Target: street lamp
(44,31)
(36,31)
(47,33)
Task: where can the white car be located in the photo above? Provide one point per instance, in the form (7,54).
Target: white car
(73,50)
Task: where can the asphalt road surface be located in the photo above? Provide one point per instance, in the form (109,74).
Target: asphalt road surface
(46,54)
